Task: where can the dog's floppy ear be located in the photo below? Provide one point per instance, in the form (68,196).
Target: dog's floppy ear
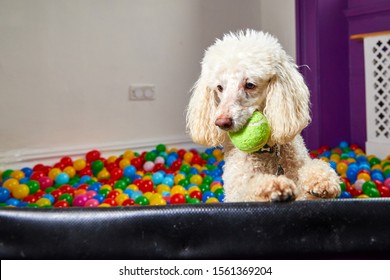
(287,103)
(200,113)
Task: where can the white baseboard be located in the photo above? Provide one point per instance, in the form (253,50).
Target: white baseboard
(29,157)
(379,149)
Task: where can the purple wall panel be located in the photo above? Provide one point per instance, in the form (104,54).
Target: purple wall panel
(336,75)
(322,44)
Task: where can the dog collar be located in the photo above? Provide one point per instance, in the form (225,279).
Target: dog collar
(274,149)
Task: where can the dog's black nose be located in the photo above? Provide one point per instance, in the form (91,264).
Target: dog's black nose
(224,122)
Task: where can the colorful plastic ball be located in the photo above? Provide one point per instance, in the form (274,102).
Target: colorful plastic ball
(80,200)
(212,200)
(97,166)
(159,160)
(128,202)
(49,197)
(161,148)
(206,195)
(61,204)
(135,195)
(45,182)
(4,194)
(178,198)
(196,194)
(13,202)
(92,155)
(27,171)
(10,184)
(116,173)
(194,200)
(345,194)
(92,203)
(387,183)
(157,178)
(121,198)
(100,198)
(42,202)
(6,174)
(168,181)
(141,200)
(62,178)
(17,174)
(146,186)
(148,166)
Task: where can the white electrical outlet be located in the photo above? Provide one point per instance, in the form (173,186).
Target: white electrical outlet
(142,92)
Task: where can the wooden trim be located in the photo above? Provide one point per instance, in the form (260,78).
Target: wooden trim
(365,35)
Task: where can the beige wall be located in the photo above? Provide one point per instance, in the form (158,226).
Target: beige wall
(66,66)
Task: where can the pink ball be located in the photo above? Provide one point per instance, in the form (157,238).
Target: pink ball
(387,183)
(91,203)
(90,194)
(45,182)
(80,200)
(159,160)
(359,184)
(148,166)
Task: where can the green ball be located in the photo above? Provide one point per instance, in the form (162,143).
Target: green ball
(253,136)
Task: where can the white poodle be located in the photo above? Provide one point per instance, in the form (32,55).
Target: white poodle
(242,73)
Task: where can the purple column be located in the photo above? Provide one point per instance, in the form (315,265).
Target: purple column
(322,45)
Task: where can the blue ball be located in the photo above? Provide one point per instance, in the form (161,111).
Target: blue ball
(136,194)
(129,192)
(49,197)
(352,175)
(221,164)
(170,160)
(206,195)
(377,176)
(351,154)
(84,179)
(333,164)
(168,181)
(193,170)
(22,204)
(135,177)
(221,197)
(4,194)
(13,202)
(27,171)
(24,180)
(99,198)
(62,178)
(326,154)
(343,144)
(95,187)
(211,161)
(157,178)
(361,159)
(129,171)
(345,194)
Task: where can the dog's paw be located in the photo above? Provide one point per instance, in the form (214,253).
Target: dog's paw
(282,189)
(324,189)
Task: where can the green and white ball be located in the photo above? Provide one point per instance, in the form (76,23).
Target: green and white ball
(253,136)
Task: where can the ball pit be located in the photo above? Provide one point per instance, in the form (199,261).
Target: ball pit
(158,177)
(162,176)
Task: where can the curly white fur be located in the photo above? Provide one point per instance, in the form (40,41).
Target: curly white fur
(242,73)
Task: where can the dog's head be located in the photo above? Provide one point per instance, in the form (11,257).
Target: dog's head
(242,73)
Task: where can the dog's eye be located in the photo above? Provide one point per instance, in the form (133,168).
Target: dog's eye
(220,88)
(250,86)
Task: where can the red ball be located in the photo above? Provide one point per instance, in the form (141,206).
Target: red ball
(178,199)
(357,193)
(137,182)
(39,194)
(137,163)
(111,166)
(56,194)
(313,155)
(83,187)
(181,153)
(59,165)
(67,161)
(36,175)
(85,172)
(116,173)
(92,155)
(65,188)
(61,204)
(110,201)
(158,167)
(196,194)
(38,167)
(30,199)
(112,194)
(378,183)
(384,191)
(346,181)
(176,165)
(128,202)
(71,191)
(354,147)
(146,186)
(196,159)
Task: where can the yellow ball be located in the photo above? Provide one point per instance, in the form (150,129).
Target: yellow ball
(162,188)
(104,205)
(178,189)
(216,187)
(196,179)
(53,173)
(42,202)
(71,171)
(148,195)
(10,184)
(364,176)
(188,157)
(17,174)
(120,198)
(123,163)
(341,167)
(103,174)
(111,159)
(20,191)
(178,178)
(106,187)
(132,187)
(79,164)
(128,155)
(157,201)
(212,200)
(363,196)
(193,188)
